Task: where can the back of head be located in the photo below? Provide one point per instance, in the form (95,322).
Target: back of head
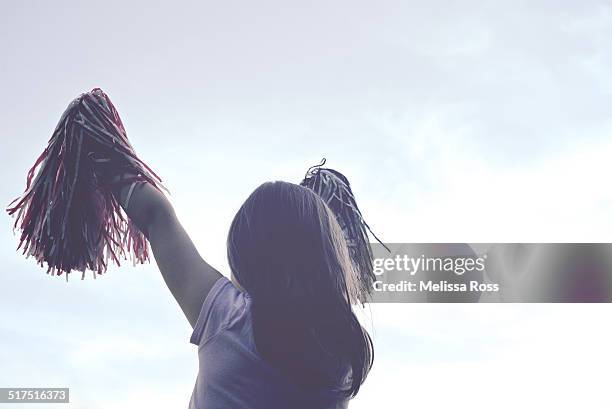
(286,249)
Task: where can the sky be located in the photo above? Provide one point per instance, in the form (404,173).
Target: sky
(466,121)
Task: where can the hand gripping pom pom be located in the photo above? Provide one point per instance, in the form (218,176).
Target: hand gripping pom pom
(68,215)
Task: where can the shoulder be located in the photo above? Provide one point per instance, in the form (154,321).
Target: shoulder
(224,305)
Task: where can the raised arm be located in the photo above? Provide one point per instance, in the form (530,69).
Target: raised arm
(186,274)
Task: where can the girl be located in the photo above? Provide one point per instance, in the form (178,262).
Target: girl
(281,333)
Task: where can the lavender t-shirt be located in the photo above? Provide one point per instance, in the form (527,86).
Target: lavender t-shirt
(232,374)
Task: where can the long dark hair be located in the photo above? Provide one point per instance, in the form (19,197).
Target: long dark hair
(287,251)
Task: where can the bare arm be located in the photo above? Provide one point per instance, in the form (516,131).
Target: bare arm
(186,274)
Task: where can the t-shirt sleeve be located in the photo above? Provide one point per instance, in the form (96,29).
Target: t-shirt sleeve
(223,305)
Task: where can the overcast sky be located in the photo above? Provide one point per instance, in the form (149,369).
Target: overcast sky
(455,122)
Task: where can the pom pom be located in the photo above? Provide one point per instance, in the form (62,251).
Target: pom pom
(68,215)
(334,188)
